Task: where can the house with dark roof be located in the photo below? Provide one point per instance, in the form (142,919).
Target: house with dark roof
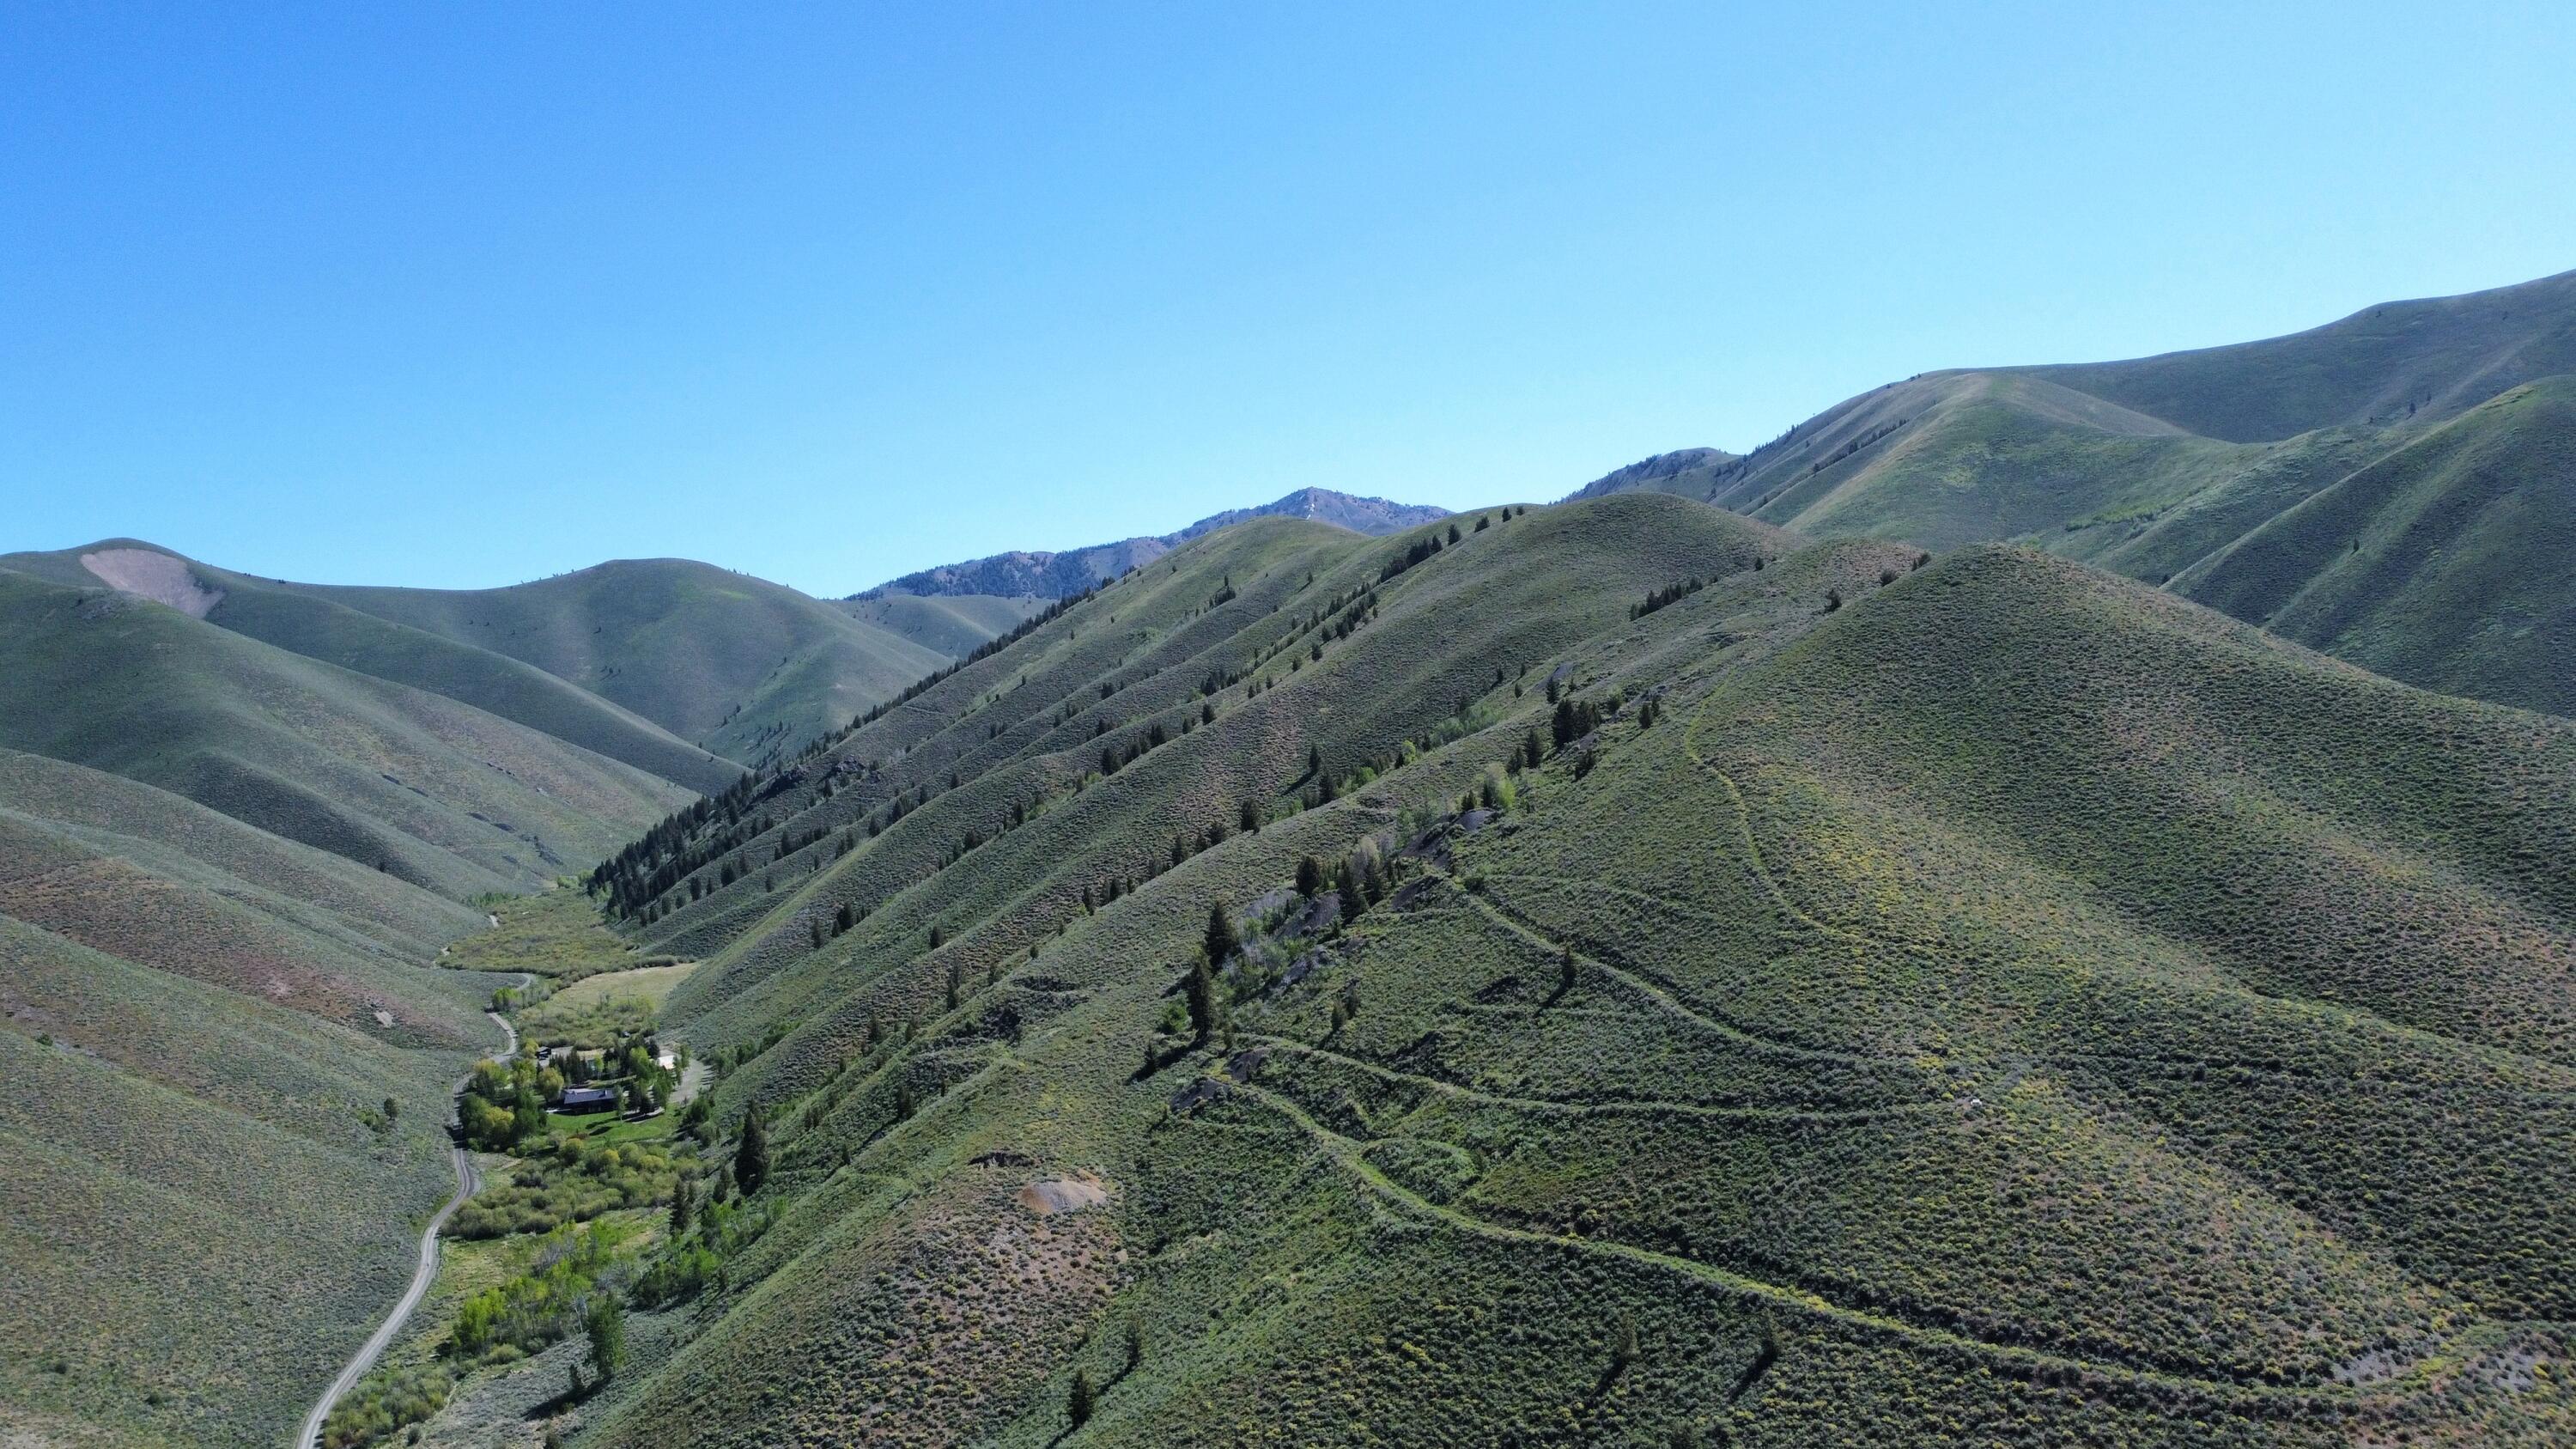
(586,1099)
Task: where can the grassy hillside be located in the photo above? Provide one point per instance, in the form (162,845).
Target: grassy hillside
(2396,362)
(1685,473)
(417,785)
(207,1206)
(735,664)
(319,629)
(1980,1001)
(2443,563)
(2241,476)
(949,624)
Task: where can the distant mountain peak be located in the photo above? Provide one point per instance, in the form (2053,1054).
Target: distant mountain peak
(1055,575)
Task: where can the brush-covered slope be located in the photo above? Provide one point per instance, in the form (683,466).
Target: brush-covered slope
(2396,362)
(1988,1001)
(1685,472)
(2160,468)
(317,628)
(736,664)
(2445,563)
(954,625)
(418,785)
(206,1207)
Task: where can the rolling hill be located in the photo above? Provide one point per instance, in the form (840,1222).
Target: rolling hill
(316,628)
(1062,575)
(737,665)
(200,1026)
(2160,466)
(1905,1000)
(414,784)
(955,625)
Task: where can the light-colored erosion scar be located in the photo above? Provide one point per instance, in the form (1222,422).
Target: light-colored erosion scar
(154,576)
(1062,1195)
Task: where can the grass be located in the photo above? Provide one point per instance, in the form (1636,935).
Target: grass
(555,935)
(2015,1003)
(595,1008)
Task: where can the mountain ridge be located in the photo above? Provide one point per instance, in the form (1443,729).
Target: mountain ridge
(2159,467)
(1062,574)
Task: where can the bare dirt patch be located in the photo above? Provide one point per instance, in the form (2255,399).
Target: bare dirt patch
(1051,1195)
(154,576)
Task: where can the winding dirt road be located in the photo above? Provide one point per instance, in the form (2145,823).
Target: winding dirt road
(468,1181)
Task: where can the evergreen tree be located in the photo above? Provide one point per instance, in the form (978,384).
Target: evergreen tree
(606,1325)
(1220,943)
(1310,877)
(751,1157)
(1623,1348)
(1206,1006)
(683,1205)
(1081,1401)
(1347,886)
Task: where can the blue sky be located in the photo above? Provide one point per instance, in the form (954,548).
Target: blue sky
(462,296)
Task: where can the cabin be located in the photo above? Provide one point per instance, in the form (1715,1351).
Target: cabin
(587,1099)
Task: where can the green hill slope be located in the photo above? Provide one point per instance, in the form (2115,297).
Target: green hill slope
(319,629)
(2444,563)
(949,624)
(738,665)
(200,1024)
(1984,1000)
(2384,365)
(2159,468)
(423,787)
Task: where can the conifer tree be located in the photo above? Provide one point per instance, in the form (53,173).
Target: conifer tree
(1310,877)
(1080,1402)
(1347,886)
(1220,941)
(1206,1006)
(751,1156)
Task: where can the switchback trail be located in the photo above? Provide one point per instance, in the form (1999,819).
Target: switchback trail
(468,1182)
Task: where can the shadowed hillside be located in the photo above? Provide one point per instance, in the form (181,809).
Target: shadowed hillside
(2284,456)
(738,665)
(415,784)
(952,624)
(1748,989)
(300,623)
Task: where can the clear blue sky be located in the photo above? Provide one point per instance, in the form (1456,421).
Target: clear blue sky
(460,296)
